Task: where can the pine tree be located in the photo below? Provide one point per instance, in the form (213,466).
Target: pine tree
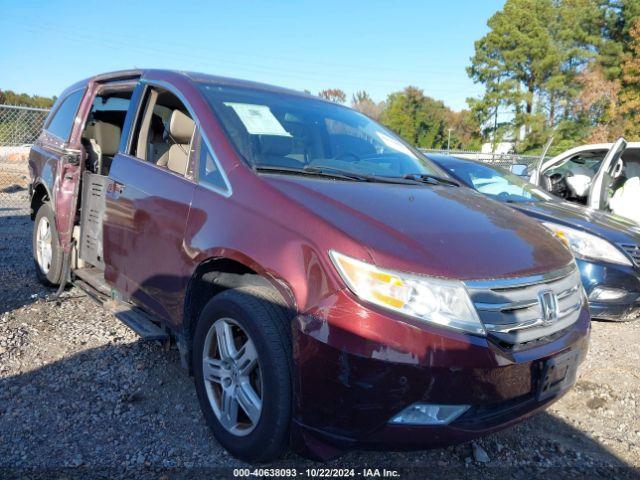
(531,64)
(516,57)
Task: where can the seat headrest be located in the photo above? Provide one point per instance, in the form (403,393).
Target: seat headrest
(106,135)
(277,145)
(181,127)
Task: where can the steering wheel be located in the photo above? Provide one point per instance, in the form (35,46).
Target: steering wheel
(504,196)
(617,169)
(344,156)
(558,185)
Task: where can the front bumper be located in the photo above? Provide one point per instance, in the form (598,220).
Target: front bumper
(357,367)
(621,277)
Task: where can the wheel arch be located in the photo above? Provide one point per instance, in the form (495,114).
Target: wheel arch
(216,274)
(40,194)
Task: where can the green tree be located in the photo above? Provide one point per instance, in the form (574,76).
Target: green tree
(8,97)
(531,63)
(516,57)
(618,17)
(576,35)
(419,119)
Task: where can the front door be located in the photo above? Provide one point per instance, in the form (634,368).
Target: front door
(148,201)
(599,191)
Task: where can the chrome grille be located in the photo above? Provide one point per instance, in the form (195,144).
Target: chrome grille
(522,310)
(633,251)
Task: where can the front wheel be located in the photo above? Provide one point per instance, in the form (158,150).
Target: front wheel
(242,369)
(47,253)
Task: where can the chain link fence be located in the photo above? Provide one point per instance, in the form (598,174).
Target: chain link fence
(19,128)
(504,160)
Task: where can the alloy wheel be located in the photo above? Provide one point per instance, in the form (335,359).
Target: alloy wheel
(44,249)
(232,376)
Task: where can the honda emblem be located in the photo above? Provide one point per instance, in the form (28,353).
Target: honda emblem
(549,306)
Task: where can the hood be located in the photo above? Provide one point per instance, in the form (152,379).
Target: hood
(610,227)
(444,231)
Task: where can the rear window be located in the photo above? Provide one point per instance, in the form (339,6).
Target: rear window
(61,123)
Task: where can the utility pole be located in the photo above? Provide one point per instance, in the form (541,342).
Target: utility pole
(449,141)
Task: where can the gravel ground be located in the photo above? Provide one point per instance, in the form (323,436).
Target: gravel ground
(81,396)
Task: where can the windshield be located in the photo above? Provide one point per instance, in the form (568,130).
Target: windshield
(278,130)
(582,164)
(495,182)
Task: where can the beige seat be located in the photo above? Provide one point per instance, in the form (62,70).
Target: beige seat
(181,129)
(103,143)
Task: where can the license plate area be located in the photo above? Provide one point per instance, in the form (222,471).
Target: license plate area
(558,374)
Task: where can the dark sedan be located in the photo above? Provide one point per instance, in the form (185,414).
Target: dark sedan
(606,247)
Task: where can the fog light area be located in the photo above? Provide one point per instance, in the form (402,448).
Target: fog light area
(605,294)
(428,414)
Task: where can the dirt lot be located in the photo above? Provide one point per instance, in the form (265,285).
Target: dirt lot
(81,396)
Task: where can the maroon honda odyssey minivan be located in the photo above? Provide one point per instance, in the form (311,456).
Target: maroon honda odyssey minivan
(327,286)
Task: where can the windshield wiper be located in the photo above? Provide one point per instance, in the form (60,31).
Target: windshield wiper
(357,176)
(310,171)
(332,172)
(431,179)
(337,172)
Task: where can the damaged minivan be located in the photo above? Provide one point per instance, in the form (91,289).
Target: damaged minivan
(327,286)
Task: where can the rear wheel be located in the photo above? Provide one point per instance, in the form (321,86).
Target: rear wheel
(242,370)
(47,253)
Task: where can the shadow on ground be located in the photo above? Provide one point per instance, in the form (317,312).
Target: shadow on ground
(18,284)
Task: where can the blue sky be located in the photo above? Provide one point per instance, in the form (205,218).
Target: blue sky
(378,46)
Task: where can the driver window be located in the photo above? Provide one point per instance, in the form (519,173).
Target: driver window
(165,131)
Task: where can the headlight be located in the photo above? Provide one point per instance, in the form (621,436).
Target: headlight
(433,300)
(587,246)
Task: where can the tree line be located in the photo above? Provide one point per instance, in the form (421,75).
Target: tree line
(423,121)
(9,97)
(563,68)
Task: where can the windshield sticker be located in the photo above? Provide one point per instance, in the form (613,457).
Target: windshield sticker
(258,119)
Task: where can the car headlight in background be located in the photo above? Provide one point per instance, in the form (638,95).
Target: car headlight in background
(432,300)
(587,246)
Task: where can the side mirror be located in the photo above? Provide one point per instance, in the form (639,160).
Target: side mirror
(520,170)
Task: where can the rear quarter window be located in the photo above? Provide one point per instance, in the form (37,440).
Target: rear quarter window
(61,122)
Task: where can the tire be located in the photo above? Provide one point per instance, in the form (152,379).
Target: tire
(48,268)
(258,313)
